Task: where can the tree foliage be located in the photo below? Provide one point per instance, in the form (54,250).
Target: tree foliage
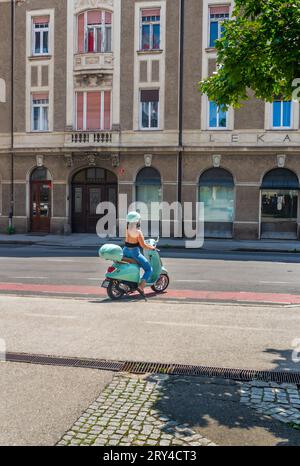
(259,50)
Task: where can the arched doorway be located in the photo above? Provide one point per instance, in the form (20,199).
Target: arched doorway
(216,191)
(91,186)
(40,200)
(279,204)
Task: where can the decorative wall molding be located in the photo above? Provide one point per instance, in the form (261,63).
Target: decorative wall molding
(216,160)
(81,5)
(281,160)
(39,160)
(148,160)
(115,160)
(92,80)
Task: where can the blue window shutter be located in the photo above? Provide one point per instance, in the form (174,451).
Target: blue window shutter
(213,33)
(287,107)
(212,115)
(276,114)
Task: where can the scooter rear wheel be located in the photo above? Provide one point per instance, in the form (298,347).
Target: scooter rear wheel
(161,284)
(114,292)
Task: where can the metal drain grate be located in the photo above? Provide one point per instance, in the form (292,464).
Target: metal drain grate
(68,362)
(152,367)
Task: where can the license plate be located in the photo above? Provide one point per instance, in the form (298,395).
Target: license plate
(105,284)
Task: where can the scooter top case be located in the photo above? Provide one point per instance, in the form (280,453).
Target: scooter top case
(121,271)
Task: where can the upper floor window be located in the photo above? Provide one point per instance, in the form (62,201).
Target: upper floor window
(40,112)
(150,29)
(40,35)
(217,116)
(93,110)
(217,16)
(282,114)
(149,109)
(94,32)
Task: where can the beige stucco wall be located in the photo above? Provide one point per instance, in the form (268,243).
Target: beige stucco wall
(5,66)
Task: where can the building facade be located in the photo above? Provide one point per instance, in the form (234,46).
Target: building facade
(99,98)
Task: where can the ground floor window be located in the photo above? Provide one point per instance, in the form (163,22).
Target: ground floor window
(148,190)
(280,204)
(216,191)
(280,188)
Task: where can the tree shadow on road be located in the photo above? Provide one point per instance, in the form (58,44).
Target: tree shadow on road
(212,407)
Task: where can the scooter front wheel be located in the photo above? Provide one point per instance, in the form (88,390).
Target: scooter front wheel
(161,284)
(114,292)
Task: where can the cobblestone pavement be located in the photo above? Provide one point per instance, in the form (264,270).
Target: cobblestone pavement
(141,410)
(125,414)
(281,401)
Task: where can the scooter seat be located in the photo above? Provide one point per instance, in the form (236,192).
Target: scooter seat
(129,260)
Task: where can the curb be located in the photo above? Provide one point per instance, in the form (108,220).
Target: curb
(165,247)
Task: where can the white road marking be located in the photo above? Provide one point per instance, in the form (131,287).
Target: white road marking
(32,278)
(231,327)
(192,281)
(274,283)
(55,316)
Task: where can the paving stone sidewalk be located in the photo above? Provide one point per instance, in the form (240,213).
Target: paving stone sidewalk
(281,401)
(124,415)
(162,410)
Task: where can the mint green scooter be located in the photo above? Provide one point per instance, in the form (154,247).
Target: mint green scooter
(123,277)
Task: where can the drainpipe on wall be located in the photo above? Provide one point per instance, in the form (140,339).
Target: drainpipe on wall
(180,106)
(11,211)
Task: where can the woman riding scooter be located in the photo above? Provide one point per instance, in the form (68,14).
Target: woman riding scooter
(133,244)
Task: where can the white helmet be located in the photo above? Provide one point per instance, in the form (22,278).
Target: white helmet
(133,217)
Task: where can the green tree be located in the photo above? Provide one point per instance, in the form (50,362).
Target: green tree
(259,50)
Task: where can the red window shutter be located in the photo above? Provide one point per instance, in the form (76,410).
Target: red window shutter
(40,96)
(79,110)
(91,41)
(151,12)
(94,17)
(107,110)
(219,10)
(41,19)
(80,33)
(93,105)
(108,17)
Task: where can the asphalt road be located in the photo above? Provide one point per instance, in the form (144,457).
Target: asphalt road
(211,271)
(221,335)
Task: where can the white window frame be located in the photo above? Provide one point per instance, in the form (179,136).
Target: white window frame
(103,28)
(41,106)
(85,111)
(41,30)
(210,20)
(281,127)
(216,128)
(151,24)
(141,114)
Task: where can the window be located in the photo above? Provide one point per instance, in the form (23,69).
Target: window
(216,191)
(148,190)
(149,109)
(40,32)
(40,110)
(282,114)
(94,32)
(217,116)
(280,195)
(93,110)
(217,16)
(150,29)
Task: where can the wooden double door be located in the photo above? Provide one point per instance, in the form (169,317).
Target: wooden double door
(85,200)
